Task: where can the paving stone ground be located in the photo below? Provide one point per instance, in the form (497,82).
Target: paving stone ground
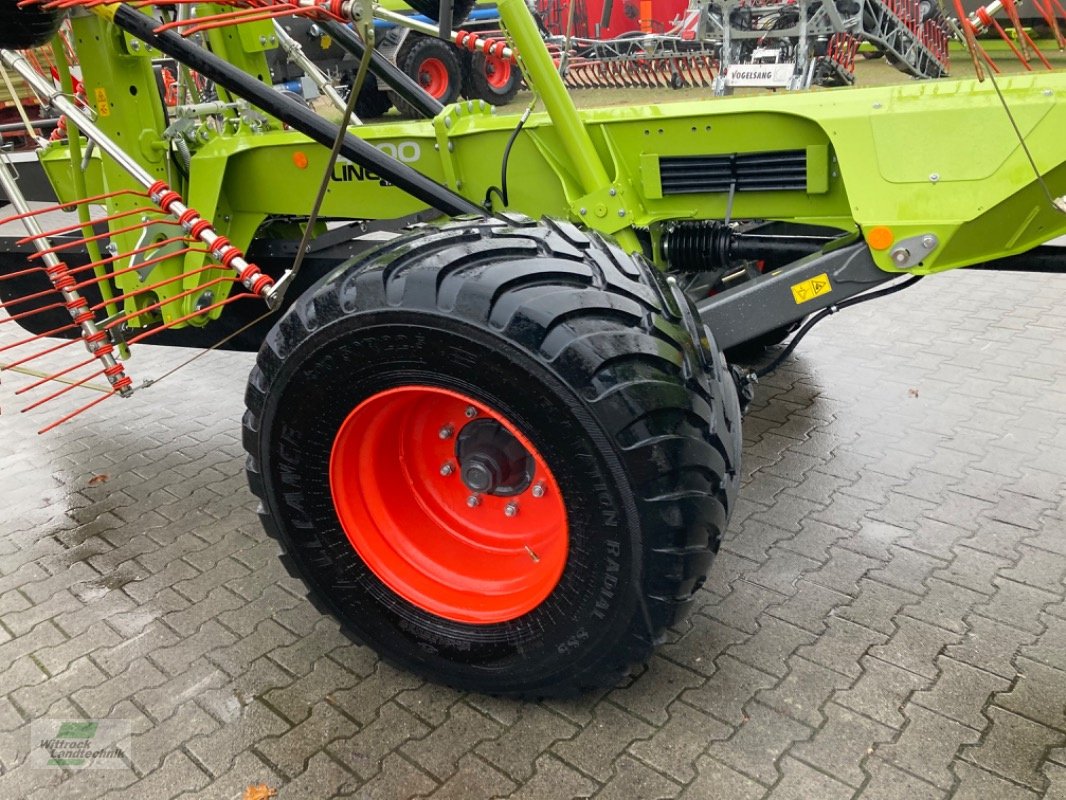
(887,618)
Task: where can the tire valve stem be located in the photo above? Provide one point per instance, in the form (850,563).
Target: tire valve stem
(473,501)
(532,555)
(446,431)
(511,509)
(538,489)
(447,468)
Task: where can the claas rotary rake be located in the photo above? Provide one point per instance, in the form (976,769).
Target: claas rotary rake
(502,446)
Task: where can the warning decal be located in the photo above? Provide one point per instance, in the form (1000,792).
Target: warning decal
(810,289)
(103,107)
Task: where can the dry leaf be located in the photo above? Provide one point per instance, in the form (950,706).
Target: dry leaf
(259,792)
(912,392)
(98,479)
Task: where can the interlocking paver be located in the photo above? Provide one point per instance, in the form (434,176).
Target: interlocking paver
(759,742)
(363,752)
(886,618)
(927,746)
(674,748)
(841,746)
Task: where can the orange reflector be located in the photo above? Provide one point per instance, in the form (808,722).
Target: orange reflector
(879,238)
(300,160)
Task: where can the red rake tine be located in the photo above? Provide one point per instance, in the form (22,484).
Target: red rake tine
(77,411)
(72,204)
(69,387)
(54,375)
(96,221)
(97,237)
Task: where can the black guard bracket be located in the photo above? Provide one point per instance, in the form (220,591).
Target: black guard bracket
(790,294)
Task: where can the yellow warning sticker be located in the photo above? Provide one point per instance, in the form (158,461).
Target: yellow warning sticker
(326,41)
(103,107)
(810,289)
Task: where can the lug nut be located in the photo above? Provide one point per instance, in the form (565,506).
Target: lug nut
(539,489)
(510,509)
(446,432)
(473,501)
(447,468)
(471,412)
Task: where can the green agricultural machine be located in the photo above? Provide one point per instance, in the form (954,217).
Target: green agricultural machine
(501,447)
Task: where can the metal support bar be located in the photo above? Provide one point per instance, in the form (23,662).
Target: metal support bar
(384,70)
(789,294)
(405,21)
(293,113)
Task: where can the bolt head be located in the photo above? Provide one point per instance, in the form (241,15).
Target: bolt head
(471,412)
(613,192)
(446,432)
(928,242)
(473,501)
(539,490)
(934,177)
(900,255)
(511,509)
(447,468)
(583,211)
(621,212)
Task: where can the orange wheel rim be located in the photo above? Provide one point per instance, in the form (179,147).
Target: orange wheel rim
(497,72)
(433,77)
(401,471)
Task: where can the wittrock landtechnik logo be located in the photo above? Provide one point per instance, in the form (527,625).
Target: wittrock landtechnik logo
(80,744)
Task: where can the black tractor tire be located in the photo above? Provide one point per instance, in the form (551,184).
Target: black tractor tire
(431,8)
(481,81)
(21,28)
(599,364)
(372,101)
(434,65)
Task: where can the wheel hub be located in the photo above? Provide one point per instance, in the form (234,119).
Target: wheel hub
(448,504)
(491,460)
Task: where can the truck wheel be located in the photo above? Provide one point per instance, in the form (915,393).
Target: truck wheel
(499,453)
(26,27)
(490,78)
(434,65)
(372,102)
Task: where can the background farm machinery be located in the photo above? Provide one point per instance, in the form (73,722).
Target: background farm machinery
(502,451)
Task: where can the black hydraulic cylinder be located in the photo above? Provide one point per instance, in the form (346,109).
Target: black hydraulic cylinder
(293,113)
(384,70)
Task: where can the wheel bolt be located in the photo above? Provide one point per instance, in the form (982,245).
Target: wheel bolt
(539,490)
(510,509)
(447,468)
(473,501)
(446,431)
(471,412)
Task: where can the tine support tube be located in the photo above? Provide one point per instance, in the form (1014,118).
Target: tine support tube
(94,338)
